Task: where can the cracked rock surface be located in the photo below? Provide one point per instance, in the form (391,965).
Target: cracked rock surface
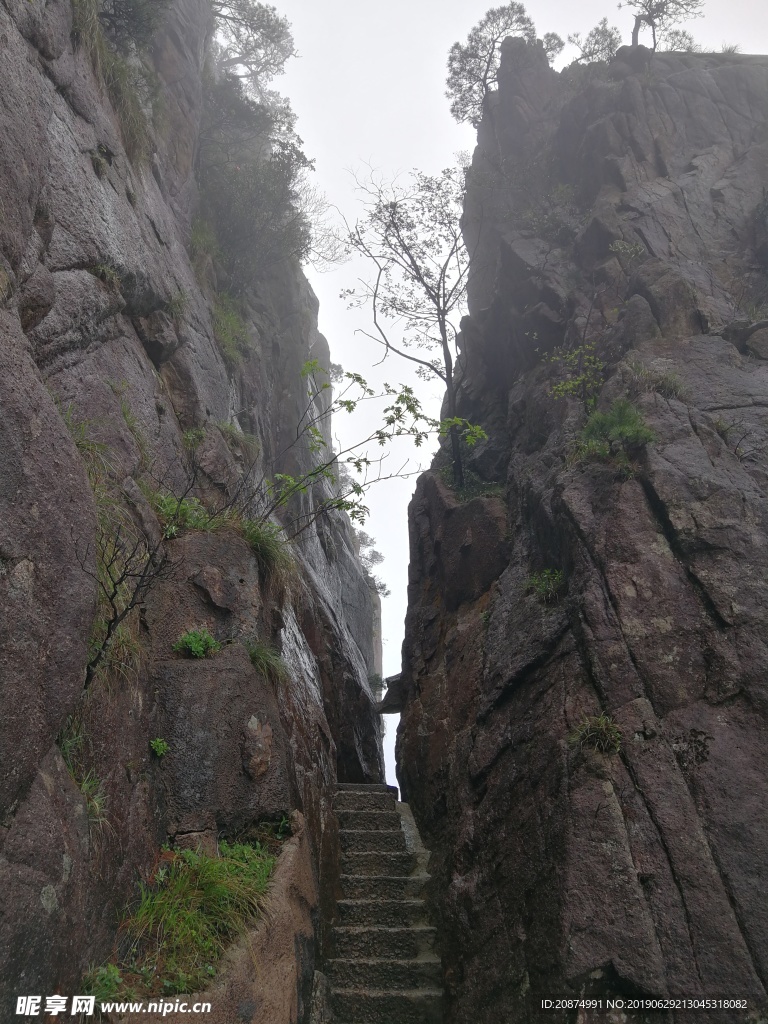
(107,346)
(558,869)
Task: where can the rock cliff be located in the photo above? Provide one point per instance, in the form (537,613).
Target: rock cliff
(584,730)
(110,360)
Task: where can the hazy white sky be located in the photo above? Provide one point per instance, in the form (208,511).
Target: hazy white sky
(368,87)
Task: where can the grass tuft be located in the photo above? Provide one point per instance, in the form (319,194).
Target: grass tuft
(238,440)
(132,422)
(266,660)
(184,920)
(93,453)
(230,330)
(127,81)
(599,732)
(72,743)
(271,550)
(106,273)
(615,436)
(176,306)
(643,378)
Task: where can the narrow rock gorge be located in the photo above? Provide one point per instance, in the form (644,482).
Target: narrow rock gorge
(116,387)
(190,660)
(583,739)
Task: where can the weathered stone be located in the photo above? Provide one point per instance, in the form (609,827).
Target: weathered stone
(158,336)
(757,343)
(92,257)
(559,868)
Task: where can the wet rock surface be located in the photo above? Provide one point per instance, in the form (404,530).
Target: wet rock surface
(108,358)
(560,869)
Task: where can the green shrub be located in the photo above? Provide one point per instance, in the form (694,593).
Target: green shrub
(229,329)
(254,205)
(159,746)
(622,423)
(547,584)
(266,660)
(250,168)
(580,372)
(194,907)
(182,514)
(193,438)
(599,732)
(198,643)
(588,451)
(103,982)
(614,436)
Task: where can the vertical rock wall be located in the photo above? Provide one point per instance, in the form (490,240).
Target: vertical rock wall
(106,350)
(561,870)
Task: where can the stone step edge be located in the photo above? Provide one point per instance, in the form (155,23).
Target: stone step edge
(379,901)
(370,832)
(383,928)
(383,993)
(389,878)
(364,787)
(427,958)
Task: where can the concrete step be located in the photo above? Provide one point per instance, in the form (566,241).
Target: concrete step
(388,913)
(357,800)
(368,840)
(389,974)
(385,887)
(359,862)
(375,943)
(367,819)
(373,1006)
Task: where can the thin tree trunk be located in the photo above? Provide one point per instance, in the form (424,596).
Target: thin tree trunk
(636,30)
(458,468)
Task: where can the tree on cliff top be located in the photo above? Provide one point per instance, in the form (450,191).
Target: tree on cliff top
(660,15)
(601,43)
(474,65)
(254,42)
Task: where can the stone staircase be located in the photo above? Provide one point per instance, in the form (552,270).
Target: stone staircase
(384,968)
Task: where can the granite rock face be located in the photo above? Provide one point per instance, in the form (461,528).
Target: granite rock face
(623,209)
(107,349)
